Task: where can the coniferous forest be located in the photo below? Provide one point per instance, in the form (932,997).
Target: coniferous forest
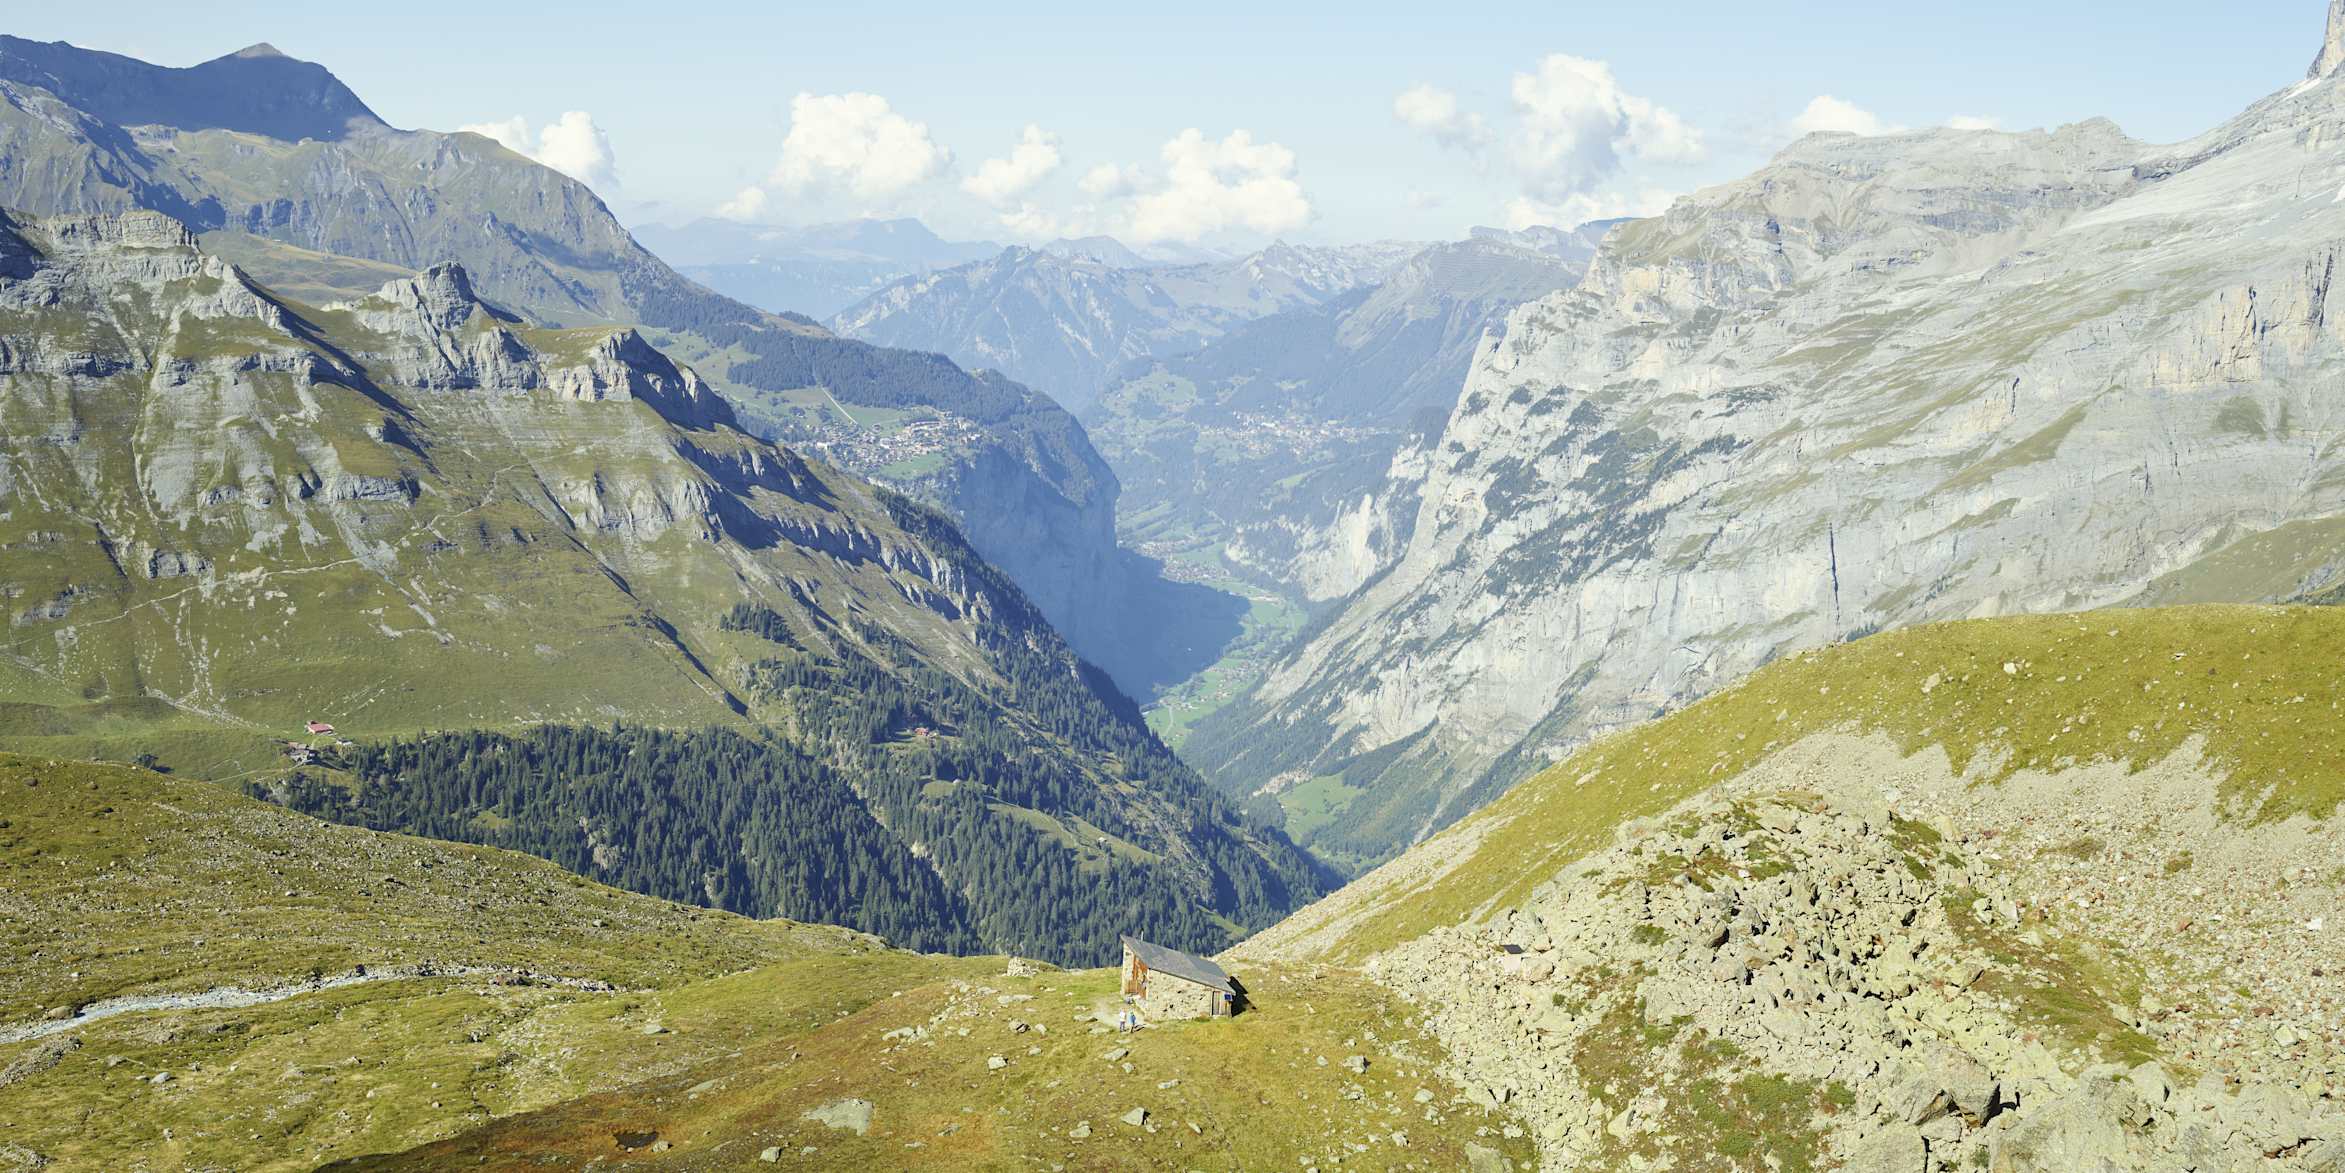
(908,805)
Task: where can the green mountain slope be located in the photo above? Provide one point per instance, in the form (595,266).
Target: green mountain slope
(2015,893)
(2247,686)
(318,215)
(399,989)
(228,514)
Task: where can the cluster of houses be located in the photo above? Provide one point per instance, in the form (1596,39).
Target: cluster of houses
(302,753)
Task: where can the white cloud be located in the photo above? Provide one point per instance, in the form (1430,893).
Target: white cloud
(1028,222)
(511,134)
(1435,111)
(1577,126)
(1108,181)
(571,144)
(856,142)
(1212,187)
(1581,207)
(576,147)
(747,204)
(1830,115)
(999,181)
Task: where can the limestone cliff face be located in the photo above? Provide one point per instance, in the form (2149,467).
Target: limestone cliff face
(280,169)
(1882,380)
(2332,53)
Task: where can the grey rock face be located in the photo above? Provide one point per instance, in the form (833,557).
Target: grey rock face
(439,335)
(1833,958)
(1882,381)
(2332,52)
(848,1115)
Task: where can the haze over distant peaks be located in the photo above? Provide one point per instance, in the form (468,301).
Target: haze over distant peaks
(1105,249)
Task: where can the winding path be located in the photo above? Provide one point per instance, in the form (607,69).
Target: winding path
(234,997)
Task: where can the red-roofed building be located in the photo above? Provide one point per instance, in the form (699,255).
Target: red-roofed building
(320,728)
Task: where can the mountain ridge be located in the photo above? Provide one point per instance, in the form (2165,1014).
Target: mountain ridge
(335,217)
(254,90)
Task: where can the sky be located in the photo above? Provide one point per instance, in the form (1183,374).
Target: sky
(1224,124)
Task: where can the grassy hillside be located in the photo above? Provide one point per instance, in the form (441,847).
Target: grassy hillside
(504,981)
(1269,1089)
(707,1031)
(2257,686)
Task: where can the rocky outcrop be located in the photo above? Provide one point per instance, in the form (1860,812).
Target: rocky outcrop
(439,335)
(1882,381)
(2332,54)
(1873,978)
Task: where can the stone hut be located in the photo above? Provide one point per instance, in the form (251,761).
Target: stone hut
(1167,983)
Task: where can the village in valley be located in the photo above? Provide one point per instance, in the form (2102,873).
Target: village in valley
(874,441)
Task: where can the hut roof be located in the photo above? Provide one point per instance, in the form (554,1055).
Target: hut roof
(1187,966)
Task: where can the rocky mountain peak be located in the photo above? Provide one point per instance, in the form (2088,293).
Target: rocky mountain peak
(257,49)
(623,365)
(440,298)
(146,249)
(128,230)
(2333,46)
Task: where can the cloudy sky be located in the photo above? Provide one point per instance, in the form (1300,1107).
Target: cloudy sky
(1220,122)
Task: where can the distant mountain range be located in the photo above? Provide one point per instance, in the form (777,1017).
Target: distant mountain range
(1065,317)
(1257,441)
(1247,407)
(815,271)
